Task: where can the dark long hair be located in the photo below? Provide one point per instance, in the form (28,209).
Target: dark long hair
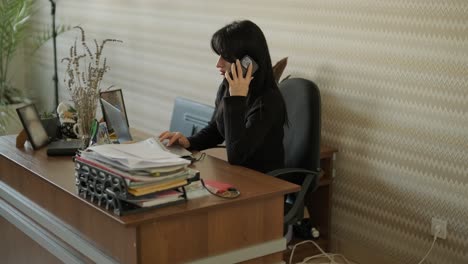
(241,38)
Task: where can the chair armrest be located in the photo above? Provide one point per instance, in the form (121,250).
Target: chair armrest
(310,182)
(285,171)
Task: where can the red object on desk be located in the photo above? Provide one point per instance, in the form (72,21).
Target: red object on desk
(217,186)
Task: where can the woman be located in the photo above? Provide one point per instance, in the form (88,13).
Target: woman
(250,112)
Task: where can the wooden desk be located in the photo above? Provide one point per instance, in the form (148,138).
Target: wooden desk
(318,204)
(39,205)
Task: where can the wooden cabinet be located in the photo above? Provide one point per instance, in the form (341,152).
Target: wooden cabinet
(318,206)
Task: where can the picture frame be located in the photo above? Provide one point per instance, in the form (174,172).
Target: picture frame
(32,125)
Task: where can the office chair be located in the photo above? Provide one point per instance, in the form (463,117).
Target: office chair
(189,117)
(301,144)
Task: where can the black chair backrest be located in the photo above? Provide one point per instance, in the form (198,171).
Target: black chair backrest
(302,137)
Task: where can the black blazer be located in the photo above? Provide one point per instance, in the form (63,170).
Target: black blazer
(253,132)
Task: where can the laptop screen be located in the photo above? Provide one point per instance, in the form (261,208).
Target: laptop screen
(116,120)
(115,98)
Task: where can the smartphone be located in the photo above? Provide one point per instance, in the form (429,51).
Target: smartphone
(245,62)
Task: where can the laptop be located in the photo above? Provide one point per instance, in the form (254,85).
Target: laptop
(116,120)
(115,98)
(38,137)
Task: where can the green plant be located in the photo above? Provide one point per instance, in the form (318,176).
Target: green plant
(45,115)
(46,34)
(3,122)
(13,17)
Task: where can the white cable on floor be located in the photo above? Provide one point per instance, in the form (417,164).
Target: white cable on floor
(324,254)
(331,257)
(306,260)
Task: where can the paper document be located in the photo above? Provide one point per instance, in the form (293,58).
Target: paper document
(141,155)
(176,149)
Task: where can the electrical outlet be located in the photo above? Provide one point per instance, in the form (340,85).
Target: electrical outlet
(442,224)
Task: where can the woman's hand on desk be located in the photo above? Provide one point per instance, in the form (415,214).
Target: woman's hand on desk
(174,137)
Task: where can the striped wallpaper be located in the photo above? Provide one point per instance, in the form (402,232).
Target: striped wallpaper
(394,81)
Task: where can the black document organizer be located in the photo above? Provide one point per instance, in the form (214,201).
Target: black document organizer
(111,191)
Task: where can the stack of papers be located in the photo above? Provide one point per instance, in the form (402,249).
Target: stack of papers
(144,155)
(153,174)
(159,198)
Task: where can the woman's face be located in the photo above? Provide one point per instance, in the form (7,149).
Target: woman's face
(223,66)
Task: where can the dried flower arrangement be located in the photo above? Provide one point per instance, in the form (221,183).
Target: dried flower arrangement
(83,79)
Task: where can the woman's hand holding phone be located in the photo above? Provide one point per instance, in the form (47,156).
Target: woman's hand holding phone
(238,84)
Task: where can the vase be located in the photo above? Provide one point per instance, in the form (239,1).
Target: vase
(85,103)
(82,128)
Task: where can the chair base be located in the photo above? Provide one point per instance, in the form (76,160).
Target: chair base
(288,233)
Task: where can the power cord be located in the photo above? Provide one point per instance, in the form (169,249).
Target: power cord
(195,159)
(436,233)
(330,257)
